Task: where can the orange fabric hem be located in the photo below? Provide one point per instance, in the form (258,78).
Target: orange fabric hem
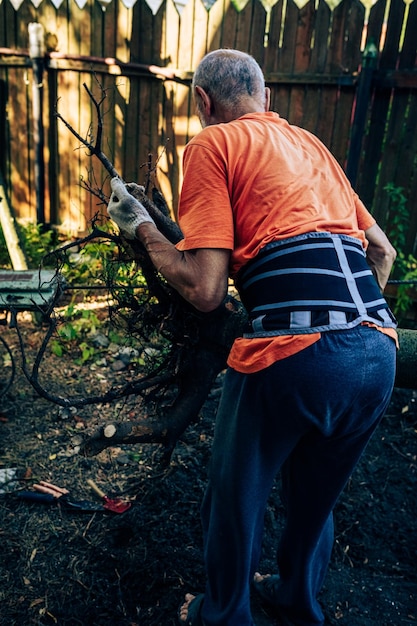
(391,332)
(253,355)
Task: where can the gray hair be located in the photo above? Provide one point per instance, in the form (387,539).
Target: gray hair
(227,76)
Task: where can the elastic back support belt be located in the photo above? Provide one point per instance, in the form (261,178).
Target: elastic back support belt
(311,283)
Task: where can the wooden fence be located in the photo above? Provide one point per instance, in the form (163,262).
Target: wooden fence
(363,106)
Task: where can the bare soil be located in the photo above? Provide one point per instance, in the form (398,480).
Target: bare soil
(66,567)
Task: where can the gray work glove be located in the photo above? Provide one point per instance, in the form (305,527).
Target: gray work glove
(125,210)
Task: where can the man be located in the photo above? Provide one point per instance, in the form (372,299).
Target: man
(267,204)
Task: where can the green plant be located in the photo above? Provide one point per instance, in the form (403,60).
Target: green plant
(35,241)
(94,263)
(79,325)
(85,264)
(405,267)
(398,217)
(4,254)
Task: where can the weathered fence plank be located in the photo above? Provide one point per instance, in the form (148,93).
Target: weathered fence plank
(311,56)
(229,27)
(254,31)
(215,24)
(273,51)
(401,133)
(302,43)
(367,184)
(375,26)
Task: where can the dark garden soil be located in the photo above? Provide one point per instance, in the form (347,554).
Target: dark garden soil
(65,567)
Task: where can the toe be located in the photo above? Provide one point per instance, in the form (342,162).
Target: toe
(257,577)
(184,607)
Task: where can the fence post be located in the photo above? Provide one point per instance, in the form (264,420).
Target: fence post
(37,54)
(369,63)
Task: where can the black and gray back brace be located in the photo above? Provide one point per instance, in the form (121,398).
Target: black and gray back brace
(310,283)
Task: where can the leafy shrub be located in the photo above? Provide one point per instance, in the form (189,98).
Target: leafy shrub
(405,266)
(35,241)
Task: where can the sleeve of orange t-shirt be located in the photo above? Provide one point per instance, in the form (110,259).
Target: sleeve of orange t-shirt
(204,213)
(365,219)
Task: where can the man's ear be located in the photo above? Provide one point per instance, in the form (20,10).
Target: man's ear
(267,99)
(203,101)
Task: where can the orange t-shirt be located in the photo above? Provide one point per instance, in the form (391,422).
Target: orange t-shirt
(255,180)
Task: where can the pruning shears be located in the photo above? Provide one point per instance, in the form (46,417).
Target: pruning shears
(47,493)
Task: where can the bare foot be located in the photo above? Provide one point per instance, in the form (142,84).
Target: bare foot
(257,577)
(184,607)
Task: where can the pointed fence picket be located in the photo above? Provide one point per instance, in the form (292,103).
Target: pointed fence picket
(312,53)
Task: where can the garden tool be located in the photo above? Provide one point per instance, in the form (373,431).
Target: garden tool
(116,505)
(47,493)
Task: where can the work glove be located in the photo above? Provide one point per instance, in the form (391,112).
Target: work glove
(125,210)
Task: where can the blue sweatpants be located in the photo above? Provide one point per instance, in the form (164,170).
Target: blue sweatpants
(309,416)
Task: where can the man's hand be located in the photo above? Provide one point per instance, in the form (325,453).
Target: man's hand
(125,210)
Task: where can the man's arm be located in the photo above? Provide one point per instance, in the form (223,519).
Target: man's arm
(380,254)
(200,276)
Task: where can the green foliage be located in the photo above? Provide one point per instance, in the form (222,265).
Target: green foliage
(97,263)
(4,255)
(57,348)
(404,296)
(85,265)
(35,241)
(398,217)
(405,266)
(79,324)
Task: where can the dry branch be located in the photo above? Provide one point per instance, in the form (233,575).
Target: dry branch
(200,343)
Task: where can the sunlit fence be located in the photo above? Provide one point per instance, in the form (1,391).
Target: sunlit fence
(344,70)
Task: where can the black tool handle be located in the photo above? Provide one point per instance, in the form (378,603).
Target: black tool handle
(47,498)
(35,496)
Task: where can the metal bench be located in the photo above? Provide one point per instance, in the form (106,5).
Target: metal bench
(23,290)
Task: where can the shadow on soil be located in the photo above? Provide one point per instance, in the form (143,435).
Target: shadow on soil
(61,566)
